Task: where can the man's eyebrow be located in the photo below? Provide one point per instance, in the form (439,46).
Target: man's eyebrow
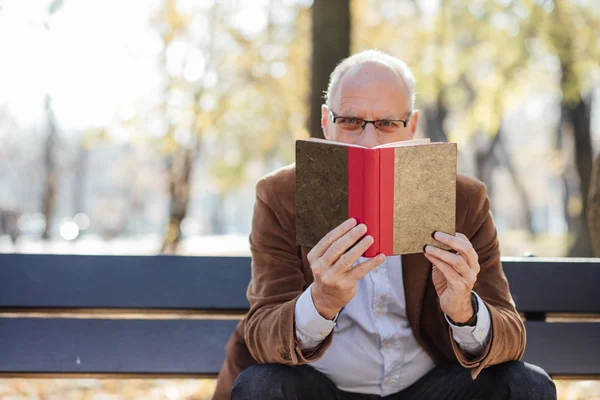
(345,112)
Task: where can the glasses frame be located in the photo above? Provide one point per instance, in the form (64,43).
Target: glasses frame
(366,121)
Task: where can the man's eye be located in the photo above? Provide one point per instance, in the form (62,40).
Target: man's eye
(349,121)
(387,124)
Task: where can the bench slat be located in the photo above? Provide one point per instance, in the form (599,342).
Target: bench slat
(558,285)
(564,348)
(151,282)
(40,345)
(214,283)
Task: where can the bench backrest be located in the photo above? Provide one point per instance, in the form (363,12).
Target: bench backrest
(172,315)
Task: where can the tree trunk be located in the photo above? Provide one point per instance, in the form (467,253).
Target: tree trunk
(593,211)
(493,156)
(575,113)
(217,217)
(505,161)
(580,119)
(331,43)
(566,173)
(80,175)
(578,116)
(434,117)
(51,181)
(485,160)
(436,113)
(180,170)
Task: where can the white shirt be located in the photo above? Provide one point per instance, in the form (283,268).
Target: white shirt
(374,350)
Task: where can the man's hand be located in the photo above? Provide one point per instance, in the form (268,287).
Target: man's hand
(454,275)
(331,263)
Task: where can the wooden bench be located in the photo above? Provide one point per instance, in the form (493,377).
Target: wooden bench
(170,316)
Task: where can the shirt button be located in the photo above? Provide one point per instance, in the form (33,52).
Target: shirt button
(388,380)
(379,309)
(324,334)
(389,345)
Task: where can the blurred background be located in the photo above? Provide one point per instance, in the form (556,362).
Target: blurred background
(142,126)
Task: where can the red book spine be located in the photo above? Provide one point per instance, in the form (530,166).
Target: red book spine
(364,195)
(356,182)
(386,201)
(371,200)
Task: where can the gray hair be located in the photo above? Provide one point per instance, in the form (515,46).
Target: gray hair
(376,56)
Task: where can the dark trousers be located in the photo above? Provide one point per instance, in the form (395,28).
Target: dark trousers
(511,380)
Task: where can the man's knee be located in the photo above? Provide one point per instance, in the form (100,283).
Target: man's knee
(264,381)
(524,381)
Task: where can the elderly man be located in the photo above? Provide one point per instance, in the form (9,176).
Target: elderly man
(326,323)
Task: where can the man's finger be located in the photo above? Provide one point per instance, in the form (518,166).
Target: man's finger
(452,277)
(362,269)
(340,246)
(347,260)
(472,257)
(459,243)
(457,262)
(321,247)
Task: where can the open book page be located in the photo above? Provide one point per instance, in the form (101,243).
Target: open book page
(319,140)
(413,142)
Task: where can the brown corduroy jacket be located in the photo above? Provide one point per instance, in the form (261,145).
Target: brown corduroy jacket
(281,272)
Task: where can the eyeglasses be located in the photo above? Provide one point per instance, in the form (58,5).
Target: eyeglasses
(356,124)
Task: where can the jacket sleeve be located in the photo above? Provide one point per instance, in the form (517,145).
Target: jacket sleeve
(507,336)
(277,283)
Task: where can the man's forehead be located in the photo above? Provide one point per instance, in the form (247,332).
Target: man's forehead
(368,72)
(360,106)
(374,85)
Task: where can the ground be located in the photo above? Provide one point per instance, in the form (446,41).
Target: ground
(178,389)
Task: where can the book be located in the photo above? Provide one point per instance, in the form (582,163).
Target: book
(402,191)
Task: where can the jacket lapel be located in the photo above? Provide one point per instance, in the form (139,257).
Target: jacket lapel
(416,270)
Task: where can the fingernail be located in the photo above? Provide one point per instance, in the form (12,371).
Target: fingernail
(380,257)
(429,249)
(440,235)
(363,227)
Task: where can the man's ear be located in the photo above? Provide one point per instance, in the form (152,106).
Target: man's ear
(414,121)
(325,121)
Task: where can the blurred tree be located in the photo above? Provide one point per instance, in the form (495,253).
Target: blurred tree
(80,165)
(563,30)
(180,154)
(81,169)
(467,67)
(50,165)
(9,214)
(227,108)
(475,62)
(51,170)
(9,224)
(436,111)
(594,207)
(330,44)
(267,110)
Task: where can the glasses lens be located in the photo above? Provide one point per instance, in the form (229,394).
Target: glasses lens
(388,126)
(349,123)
